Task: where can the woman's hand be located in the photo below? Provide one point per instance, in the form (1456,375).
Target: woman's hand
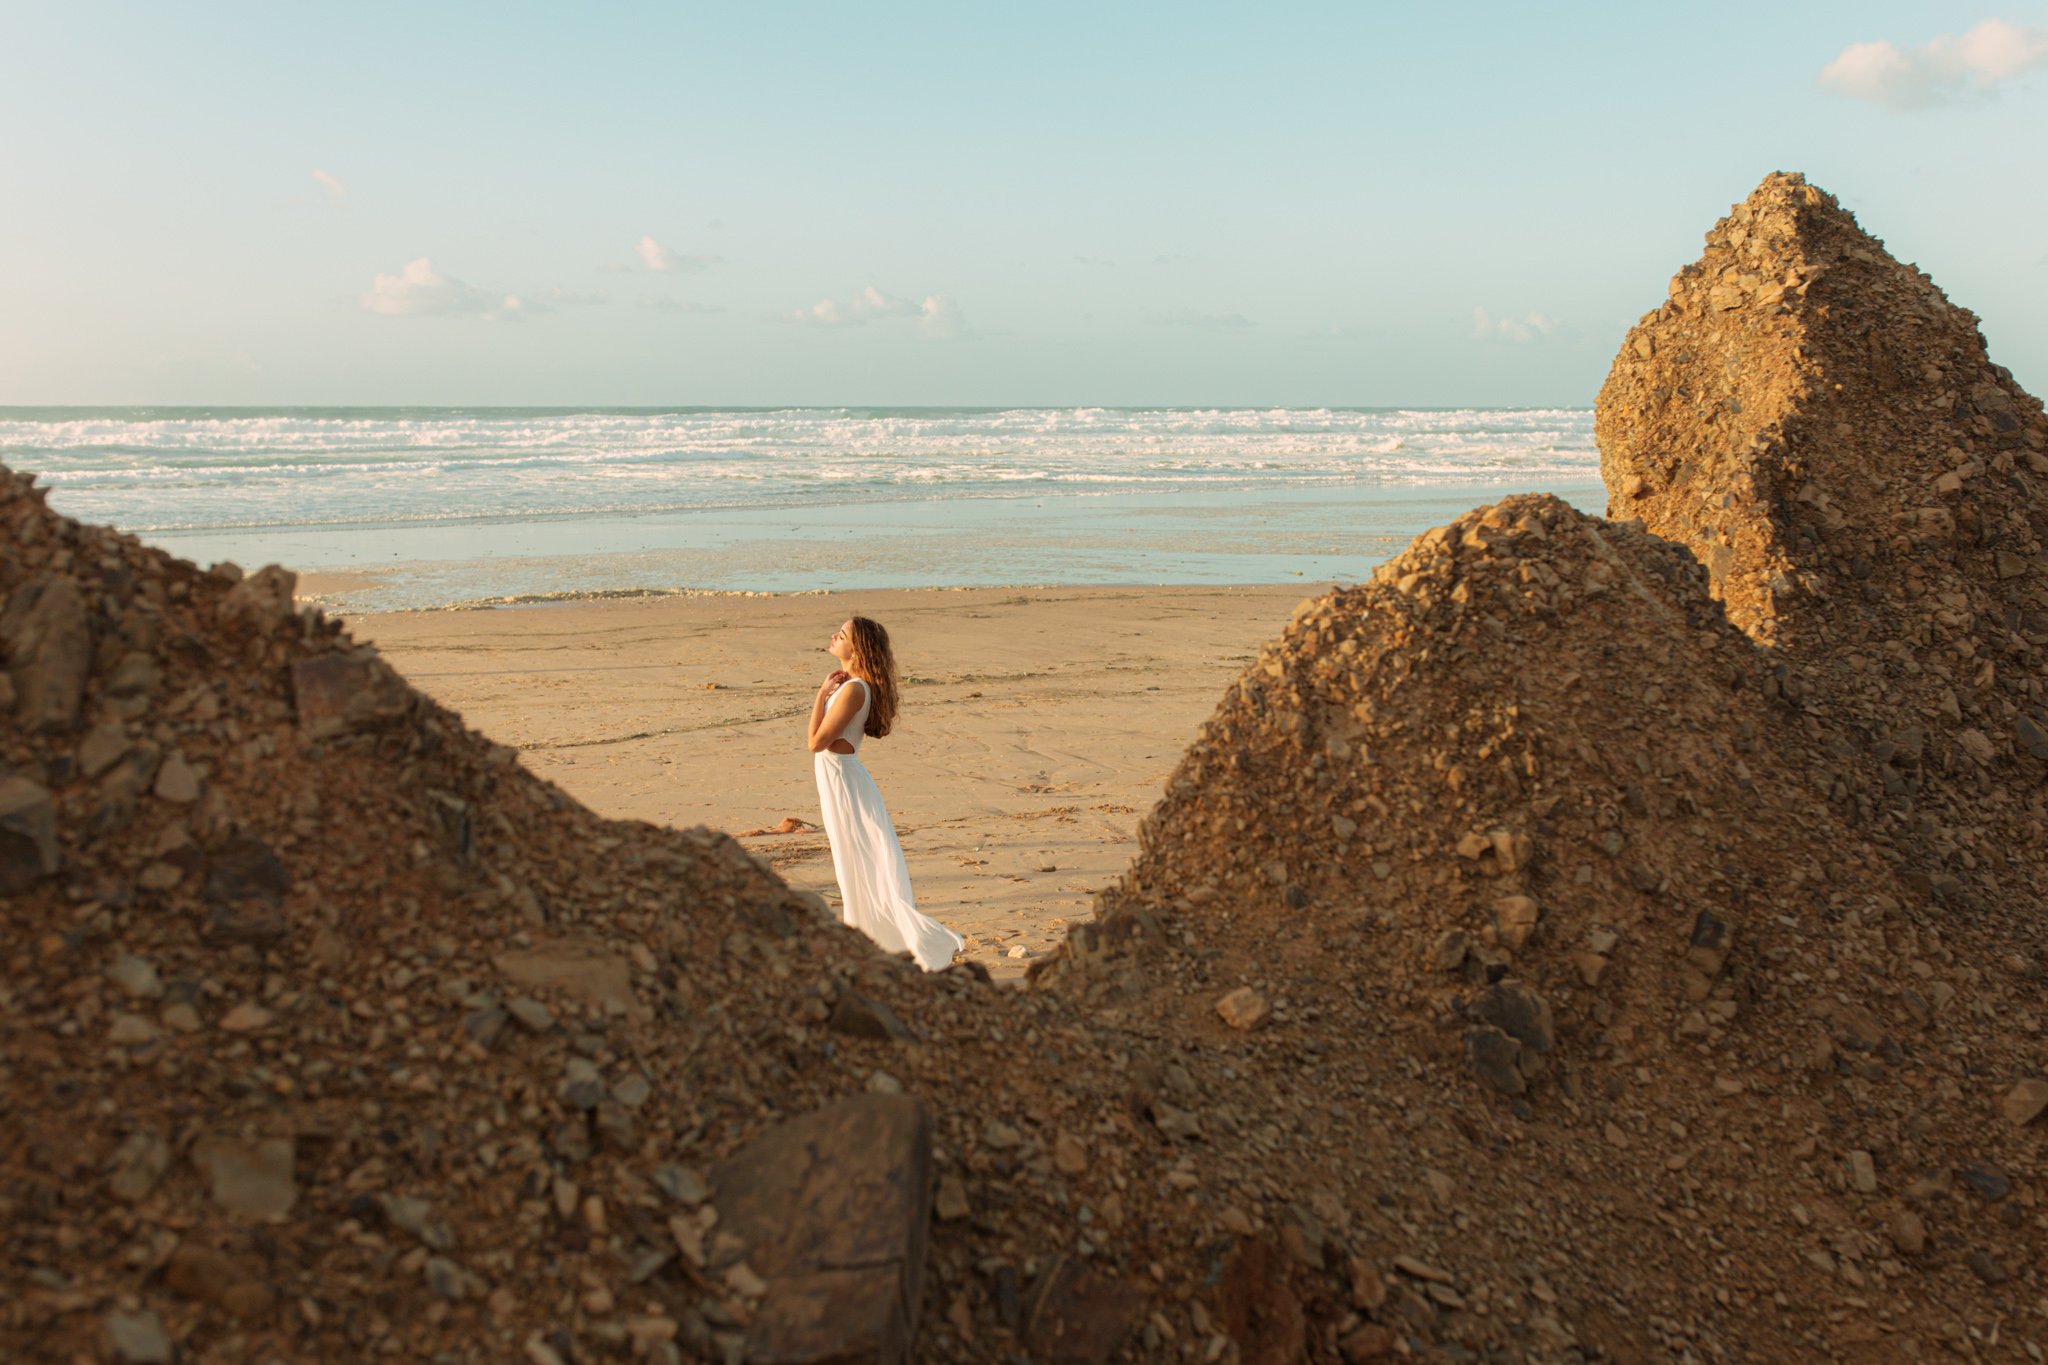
(830,714)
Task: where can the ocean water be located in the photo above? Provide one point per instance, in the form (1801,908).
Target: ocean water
(428,507)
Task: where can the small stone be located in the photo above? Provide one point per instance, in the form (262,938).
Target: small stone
(530,1014)
(1368,1342)
(447,1279)
(647,1333)
(46,638)
(1518,1011)
(1495,1058)
(1862,1172)
(1422,1270)
(1708,951)
(1615,1136)
(1450,951)
(1000,1136)
(1018,951)
(1986,1181)
(682,1184)
(950,1203)
(1174,1122)
(1985,1267)
(243,869)
(246,1017)
(483,1026)
(138,1338)
(1068,1155)
(745,1282)
(130,1030)
(1474,845)
(139,1162)
(340,692)
(1909,1232)
(136,977)
(1590,967)
(250,1179)
(1244,1008)
(160,876)
(582,1086)
(1514,919)
(28,835)
(632,1090)
(2024,1102)
(1368,1286)
(417,1217)
(102,748)
(882,1083)
(859,1016)
(200,1272)
(176,782)
(181,1018)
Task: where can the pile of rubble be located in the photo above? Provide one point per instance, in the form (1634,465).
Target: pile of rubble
(1530,959)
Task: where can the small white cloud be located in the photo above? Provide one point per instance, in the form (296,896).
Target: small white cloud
(938,317)
(869,304)
(1191,317)
(663,260)
(655,256)
(1521,331)
(336,191)
(421,291)
(690,306)
(1938,71)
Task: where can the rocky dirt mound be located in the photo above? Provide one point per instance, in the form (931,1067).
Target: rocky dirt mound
(1825,431)
(327,1032)
(1523,964)
(1510,856)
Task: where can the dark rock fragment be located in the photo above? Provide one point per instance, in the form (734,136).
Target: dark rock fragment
(834,1209)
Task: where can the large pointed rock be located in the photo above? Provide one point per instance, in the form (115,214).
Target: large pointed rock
(1824,429)
(1818,424)
(834,1209)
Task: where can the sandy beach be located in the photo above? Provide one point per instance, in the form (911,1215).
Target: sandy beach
(1037,726)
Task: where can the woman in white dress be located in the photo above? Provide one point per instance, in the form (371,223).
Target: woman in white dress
(874,881)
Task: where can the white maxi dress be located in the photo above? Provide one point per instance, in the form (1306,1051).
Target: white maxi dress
(874,881)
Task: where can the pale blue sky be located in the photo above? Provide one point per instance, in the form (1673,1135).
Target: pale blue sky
(1052,203)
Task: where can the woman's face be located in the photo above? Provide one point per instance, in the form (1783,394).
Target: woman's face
(842,642)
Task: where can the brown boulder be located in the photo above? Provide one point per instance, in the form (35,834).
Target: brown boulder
(341,693)
(834,1209)
(1078,1316)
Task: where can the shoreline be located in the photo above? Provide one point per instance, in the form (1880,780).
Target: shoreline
(1038,723)
(1274,534)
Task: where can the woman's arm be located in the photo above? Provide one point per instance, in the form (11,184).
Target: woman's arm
(828,722)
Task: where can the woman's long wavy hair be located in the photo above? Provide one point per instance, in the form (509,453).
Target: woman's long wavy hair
(874,664)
